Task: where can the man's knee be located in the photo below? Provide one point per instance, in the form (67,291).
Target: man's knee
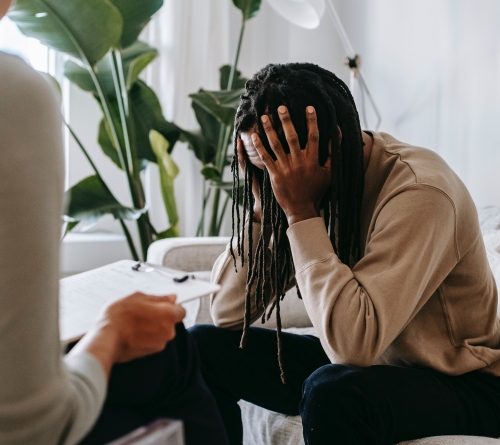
(330,388)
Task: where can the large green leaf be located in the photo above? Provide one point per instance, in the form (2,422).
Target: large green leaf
(220,104)
(168,172)
(211,172)
(238,81)
(105,141)
(210,126)
(146,115)
(134,58)
(203,151)
(85,29)
(90,199)
(248,7)
(136,15)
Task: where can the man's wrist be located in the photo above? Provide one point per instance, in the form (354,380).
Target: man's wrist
(103,343)
(302,215)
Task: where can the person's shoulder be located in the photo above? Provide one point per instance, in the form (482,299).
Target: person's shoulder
(426,167)
(22,86)
(410,153)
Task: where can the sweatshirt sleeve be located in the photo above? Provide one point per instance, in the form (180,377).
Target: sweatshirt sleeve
(228,305)
(358,313)
(43,398)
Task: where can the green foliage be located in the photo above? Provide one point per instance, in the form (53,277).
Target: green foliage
(238,81)
(84,29)
(214,110)
(90,199)
(211,172)
(134,58)
(248,8)
(107,59)
(168,172)
(136,15)
(220,104)
(146,115)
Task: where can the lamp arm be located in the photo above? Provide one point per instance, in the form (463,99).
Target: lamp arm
(364,86)
(349,50)
(339,27)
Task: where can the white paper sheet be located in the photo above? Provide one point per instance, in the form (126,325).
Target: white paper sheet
(82,296)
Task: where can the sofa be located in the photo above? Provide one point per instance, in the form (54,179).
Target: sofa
(263,427)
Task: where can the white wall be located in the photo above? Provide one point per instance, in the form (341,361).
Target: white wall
(432,66)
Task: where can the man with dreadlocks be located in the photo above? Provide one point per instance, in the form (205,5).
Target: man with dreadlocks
(383,241)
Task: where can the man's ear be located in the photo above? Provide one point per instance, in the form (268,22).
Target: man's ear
(340,134)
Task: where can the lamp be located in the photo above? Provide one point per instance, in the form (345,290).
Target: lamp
(307,14)
(304,13)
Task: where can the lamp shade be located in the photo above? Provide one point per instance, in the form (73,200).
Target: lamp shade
(304,13)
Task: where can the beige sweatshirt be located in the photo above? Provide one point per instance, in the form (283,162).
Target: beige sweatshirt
(43,398)
(422,293)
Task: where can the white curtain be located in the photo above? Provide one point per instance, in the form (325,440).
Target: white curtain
(195,38)
(432,65)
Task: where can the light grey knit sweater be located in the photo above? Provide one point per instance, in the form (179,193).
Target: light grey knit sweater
(44,399)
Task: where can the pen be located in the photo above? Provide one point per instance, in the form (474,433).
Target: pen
(161,270)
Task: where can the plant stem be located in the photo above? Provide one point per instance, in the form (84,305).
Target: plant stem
(129,241)
(212,229)
(235,65)
(137,190)
(201,224)
(121,108)
(221,219)
(222,147)
(79,143)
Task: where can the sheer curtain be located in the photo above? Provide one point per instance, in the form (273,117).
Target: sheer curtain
(195,38)
(433,67)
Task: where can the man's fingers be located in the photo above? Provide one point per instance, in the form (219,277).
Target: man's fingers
(289,130)
(264,155)
(239,152)
(312,133)
(328,163)
(272,137)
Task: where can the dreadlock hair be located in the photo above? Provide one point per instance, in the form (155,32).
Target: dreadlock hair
(295,85)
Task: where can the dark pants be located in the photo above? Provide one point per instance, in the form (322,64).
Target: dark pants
(167,384)
(342,404)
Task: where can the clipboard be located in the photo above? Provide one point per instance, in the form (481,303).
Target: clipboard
(82,296)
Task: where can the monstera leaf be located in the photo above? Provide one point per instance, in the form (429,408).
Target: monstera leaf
(248,7)
(84,29)
(134,58)
(90,199)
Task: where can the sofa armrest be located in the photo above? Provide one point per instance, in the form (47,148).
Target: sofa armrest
(188,254)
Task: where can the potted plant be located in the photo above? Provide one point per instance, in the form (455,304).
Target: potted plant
(106,58)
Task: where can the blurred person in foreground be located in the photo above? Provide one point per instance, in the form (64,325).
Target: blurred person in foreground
(137,362)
